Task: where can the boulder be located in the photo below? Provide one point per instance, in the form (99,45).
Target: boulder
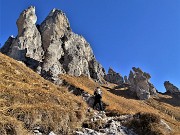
(140,84)
(114,77)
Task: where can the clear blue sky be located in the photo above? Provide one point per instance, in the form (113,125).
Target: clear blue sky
(122,33)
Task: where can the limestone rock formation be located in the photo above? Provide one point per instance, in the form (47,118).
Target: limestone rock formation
(51,48)
(114,77)
(170,88)
(27,46)
(140,84)
(28,42)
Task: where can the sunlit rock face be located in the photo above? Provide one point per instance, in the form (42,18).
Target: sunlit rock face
(28,43)
(170,88)
(51,48)
(140,84)
(114,77)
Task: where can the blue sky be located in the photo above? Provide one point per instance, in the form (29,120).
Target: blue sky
(122,33)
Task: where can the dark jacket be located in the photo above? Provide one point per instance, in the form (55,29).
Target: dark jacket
(97,96)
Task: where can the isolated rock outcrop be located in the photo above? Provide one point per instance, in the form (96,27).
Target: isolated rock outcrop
(140,84)
(51,48)
(114,77)
(170,88)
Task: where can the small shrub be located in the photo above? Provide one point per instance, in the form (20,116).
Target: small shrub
(146,123)
(113,113)
(10,129)
(95,125)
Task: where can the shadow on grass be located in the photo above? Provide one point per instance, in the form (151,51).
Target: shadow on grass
(123,93)
(174,101)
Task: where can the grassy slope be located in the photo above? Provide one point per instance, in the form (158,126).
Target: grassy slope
(27,100)
(169,111)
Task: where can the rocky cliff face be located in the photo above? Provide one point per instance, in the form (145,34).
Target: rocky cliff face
(114,77)
(51,48)
(170,88)
(28,43)
(140,84)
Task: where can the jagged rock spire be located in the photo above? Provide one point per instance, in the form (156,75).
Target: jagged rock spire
(140,84)
(27,45)
(54,27)
(52,48)
(170,88)
(27,19)
(114,77)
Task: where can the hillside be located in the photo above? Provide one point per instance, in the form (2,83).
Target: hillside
(121,103)
(30,104)
(27,101)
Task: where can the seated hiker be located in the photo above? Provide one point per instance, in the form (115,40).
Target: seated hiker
(97,98)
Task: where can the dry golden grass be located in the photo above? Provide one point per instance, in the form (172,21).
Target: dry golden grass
(120,102)
(27,100)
